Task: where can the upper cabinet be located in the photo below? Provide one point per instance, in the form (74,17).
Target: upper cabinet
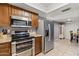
(4,15)
(34,20)
(7,10)
(15,11)
(1,15)
(19,12)
(31,16)
(10,10)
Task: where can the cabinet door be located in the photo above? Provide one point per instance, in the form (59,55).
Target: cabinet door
(5,49)
(22,13)
(34,20)
(38,45)
(16,12)
(4,16)
(1,15)
(10,10)
(13,10)
(27,14)
(19,12)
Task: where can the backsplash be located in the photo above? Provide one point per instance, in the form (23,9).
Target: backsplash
(11,30)
(0,29)
(8,30)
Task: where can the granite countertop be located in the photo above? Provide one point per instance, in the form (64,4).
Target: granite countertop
(35,34)
(5,39)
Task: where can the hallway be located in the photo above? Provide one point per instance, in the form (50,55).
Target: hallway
(63,48)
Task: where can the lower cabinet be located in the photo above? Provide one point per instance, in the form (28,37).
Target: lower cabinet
(38,45)
(5,49)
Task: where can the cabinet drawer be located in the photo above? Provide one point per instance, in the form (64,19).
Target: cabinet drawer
(5,45)
(5,51)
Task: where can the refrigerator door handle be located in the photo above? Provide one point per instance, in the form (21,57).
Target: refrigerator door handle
(49,32)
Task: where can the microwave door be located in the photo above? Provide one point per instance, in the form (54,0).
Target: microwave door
(18,23)
(29,23)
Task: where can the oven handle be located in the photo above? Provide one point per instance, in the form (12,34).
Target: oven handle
(14,43)
(23,41)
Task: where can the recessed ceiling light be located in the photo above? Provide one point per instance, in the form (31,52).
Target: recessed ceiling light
(68,19)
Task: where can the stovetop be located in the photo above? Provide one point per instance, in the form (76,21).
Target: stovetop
(23,38)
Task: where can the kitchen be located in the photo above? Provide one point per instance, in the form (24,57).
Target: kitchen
(25,29)
(15,24)
(18,32)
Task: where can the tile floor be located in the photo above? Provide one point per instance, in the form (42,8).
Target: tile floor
(63,48)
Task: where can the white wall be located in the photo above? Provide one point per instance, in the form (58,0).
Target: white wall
(71,26)
(56,30)
(41,27)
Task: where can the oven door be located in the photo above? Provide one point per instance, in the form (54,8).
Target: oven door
(23,45)
(22,48)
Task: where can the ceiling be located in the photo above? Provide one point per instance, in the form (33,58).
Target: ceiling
(53,11)
(58,15)
(46,7)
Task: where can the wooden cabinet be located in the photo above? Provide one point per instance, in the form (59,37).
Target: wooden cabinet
(5,49)
(17,12)
(7,10)
(38,45)
(1,15)
(22,13)
(12,10)
(4,15)
(34,20)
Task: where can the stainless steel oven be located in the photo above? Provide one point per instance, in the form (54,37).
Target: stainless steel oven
(22,44)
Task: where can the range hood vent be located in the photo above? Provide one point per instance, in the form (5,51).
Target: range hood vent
(67,9)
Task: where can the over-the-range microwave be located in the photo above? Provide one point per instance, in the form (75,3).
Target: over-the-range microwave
(17,21)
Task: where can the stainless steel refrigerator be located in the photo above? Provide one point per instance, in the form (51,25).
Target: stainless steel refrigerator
(48,38)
